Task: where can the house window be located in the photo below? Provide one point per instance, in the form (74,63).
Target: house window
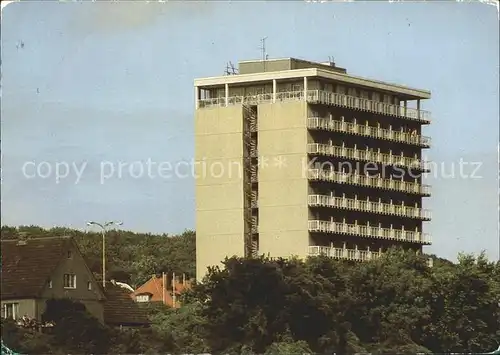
(69,254)
(10,310)
(89,285)
(69,281)
(142,298)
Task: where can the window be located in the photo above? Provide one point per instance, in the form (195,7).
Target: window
(69,254)
(89,285)
(50,283)
(69,281)
(10,310)
(142,298)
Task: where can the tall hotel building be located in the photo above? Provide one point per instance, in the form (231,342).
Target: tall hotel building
(296,158)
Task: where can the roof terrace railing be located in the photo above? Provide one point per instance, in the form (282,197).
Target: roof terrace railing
(322,97)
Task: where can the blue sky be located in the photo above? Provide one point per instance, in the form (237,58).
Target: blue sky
(114,82)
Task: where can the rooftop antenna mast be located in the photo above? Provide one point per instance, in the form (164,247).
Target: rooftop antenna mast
(233,69)
(263,49)
(230,69)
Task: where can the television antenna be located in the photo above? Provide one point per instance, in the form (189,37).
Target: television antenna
(263,50)
(230,69)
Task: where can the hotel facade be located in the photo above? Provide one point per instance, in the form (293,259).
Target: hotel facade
(297,158)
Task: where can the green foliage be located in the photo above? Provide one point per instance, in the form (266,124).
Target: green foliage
(131,257)
(75,329)
(465,303)
(395,304)
(288,347)
(25,341)
(182,330)
(137,341)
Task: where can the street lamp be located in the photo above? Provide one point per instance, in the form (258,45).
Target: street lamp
(103,231)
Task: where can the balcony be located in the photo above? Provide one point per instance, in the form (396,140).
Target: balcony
(369,206)
(322,97)
(366,155)
(368,231)
(343,253)
(369,181)
(358,103)
(328,124)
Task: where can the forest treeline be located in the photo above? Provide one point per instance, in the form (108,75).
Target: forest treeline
(131,257)
(397,304)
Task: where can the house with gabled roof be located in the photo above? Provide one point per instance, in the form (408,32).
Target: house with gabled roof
(38,269)
(162,289)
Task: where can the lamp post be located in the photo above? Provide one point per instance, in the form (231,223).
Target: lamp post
(103,231)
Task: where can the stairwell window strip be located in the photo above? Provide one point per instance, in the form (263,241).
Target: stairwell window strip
(69,281)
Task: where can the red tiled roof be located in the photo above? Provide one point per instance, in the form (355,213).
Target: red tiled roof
(120,308)
(27,268)
(154,287)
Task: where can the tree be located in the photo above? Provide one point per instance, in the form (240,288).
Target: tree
(75,329)
(395,304)
(181,329)
(465,307)
(390,298)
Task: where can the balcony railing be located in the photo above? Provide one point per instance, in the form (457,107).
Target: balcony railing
(369,181)
(366,155)
(323,97)
(343,253)
(369,206)
(358,103)
(368,231)
(329,124)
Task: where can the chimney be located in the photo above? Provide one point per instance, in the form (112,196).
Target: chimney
(173,289)
(164,287)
